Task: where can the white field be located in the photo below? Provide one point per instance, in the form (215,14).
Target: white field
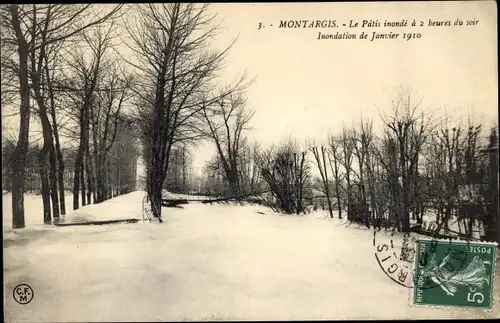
(206,262)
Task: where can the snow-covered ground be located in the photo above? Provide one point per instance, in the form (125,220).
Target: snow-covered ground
(206,262)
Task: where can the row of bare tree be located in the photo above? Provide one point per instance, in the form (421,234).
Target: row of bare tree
(66,65)
(417,164)
(59,62)
(32,182)
(69,68)
(179,174)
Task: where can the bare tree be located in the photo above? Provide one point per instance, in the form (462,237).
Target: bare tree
(250,176)
(177,175)
(31,29)
(97,89)
(334,158)
(320,160)
(363,150)
(213,182)
(348,142)
(409,128)
(104,115)
(226,123)
(389,190)
(91,66)
(454,164)
(492,220)
(11,19)
(286,171)
(124,155)
(52,71)
(176,69)
(450,142)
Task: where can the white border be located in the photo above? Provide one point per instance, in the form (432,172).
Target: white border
(457,240)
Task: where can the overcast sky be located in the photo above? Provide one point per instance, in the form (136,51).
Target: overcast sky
(306,87)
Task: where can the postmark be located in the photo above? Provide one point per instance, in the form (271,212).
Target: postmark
(471,286)
(23,294)
(397,265)
(397,260)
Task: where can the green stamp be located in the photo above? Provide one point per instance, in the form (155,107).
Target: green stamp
(454,273)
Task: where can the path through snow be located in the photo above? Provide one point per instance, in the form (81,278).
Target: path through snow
(206,262)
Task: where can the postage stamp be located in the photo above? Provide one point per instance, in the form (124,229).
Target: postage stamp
(437,282)
(397,260)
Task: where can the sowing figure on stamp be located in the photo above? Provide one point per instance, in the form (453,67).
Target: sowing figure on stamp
(473,275)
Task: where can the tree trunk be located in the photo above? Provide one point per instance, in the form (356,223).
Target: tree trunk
(82,180)
(335,171)
(134,174)
(98,175)
(18,170)
(109,183)
(19,156)
(53,182)
(47,151)
(234,186)
(184,176)
(101,180)
(88,170)
(42,164)
(118,179)
(349,195)
(93,180)
(405,224)
(327,187)
(88,159)
(371,187)
(155,193)
(85,159)
(79,161)
(60,178)
(76,181)
(94,192)
(60,162)
(362,178)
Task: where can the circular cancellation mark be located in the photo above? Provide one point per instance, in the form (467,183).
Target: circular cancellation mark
(398,262)
(23,294)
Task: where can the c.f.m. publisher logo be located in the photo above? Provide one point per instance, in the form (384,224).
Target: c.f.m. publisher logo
(23,294)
